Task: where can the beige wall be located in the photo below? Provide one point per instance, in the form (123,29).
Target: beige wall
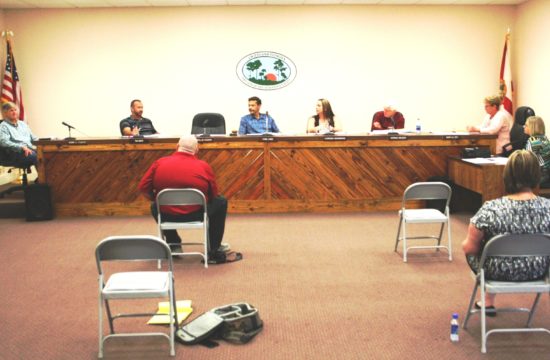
(83,66)
(532,56)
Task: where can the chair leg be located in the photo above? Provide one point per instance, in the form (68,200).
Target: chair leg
(483,316)
(206,244)
(470,306)
(404,241)
(440,234)
(449,239)
(173,315)
(398,233)
(533,308)
(109,316)
(100,307)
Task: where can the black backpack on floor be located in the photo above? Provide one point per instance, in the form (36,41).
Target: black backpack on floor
(237,323)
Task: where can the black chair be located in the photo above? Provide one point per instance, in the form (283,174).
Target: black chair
(6,160)
(518,138)
(208,123)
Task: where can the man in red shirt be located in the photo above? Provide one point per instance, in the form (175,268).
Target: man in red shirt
(390,118)
(183,169)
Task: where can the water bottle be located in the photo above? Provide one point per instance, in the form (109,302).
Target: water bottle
(418,126)
(454,328)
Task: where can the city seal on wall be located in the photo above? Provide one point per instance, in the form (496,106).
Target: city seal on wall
(266,70)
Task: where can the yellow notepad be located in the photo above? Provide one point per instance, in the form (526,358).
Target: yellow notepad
(183,307)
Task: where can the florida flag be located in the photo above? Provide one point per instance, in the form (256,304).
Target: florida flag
(506,86)
(11,89)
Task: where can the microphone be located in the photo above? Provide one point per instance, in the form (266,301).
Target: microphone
(67,125)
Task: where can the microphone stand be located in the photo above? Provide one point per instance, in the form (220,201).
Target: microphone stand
(267,122)
(69,127)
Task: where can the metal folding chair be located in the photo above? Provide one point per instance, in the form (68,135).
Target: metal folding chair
(513,245)
(424,191)
(181,197)
(134,284)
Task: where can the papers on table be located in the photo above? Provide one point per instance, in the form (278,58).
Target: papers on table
(493,160)
(183,307)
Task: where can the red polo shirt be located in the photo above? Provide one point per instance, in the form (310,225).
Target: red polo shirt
(397,123)
(177,171)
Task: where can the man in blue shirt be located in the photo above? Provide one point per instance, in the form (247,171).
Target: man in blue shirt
(256,123)
(16,137)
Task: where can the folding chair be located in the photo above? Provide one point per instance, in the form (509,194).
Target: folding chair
(181,197)
(424,191)
(134,284)
(515,245)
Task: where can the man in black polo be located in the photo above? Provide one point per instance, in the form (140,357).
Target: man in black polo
(135,124)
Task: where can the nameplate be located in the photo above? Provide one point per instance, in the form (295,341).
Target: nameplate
(266,139)
(138,141)
(77,142)
(451,137)
(203,140)
(334,138)
(398,137)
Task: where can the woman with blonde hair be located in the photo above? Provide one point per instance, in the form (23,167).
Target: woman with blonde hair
(324,121)
(496,122)
(538,143)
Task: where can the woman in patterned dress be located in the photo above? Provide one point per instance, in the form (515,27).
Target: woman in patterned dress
(519,212)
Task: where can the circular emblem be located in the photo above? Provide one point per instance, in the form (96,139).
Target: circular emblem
(266,70)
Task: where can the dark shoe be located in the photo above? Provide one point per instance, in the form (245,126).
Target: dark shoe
(175,248)
(489,310)
(220,257)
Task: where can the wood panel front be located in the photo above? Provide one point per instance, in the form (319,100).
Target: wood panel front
(484,179)
(281,174)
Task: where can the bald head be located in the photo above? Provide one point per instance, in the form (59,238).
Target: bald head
(188,144)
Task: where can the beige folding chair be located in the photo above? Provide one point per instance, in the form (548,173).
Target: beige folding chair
(180,197)
(134,284)
(424,191)
(510,245)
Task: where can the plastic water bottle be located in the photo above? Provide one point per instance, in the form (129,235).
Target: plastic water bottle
(454,328)
(418,126)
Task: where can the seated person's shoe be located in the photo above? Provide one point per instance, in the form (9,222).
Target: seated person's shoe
(175,248)
(224,247)
(489,310)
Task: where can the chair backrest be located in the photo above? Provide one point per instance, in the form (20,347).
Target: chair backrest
(517,245)
(428,191)
(522,113)
(181,197)
(208,123)
(138,247)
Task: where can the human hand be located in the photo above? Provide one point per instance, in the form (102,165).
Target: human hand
(377,125)
(27,151)
(135,130)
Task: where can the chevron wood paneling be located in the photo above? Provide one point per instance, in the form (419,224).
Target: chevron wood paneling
(353,173)
(279,174)
(239,173)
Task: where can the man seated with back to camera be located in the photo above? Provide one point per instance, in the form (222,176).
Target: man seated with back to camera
(182,170)
(255,122)
(135,124)
(16,138)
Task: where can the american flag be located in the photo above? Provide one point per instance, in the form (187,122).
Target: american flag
(11,89)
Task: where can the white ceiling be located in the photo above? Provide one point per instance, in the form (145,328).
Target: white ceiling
(32,4)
